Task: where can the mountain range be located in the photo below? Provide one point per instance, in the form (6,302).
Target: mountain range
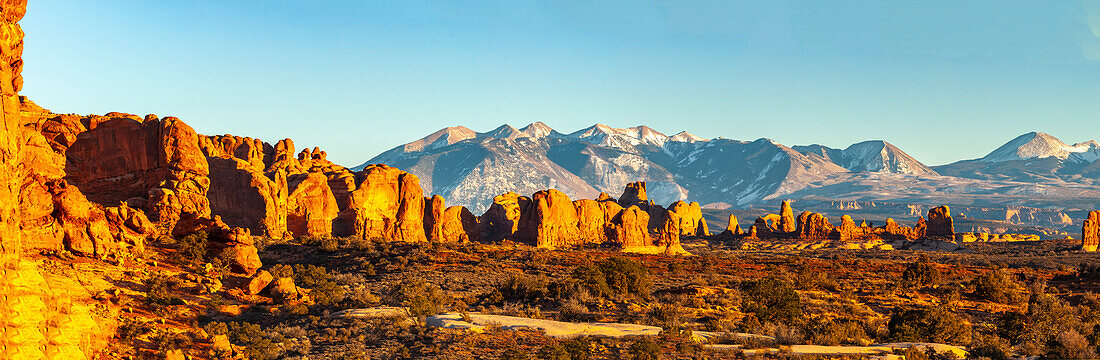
(469,168)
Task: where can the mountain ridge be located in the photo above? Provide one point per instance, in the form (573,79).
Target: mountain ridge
(472,167)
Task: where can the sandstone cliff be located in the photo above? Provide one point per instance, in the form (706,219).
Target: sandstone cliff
(1090,232)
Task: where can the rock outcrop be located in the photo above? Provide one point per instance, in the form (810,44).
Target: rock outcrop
(691,218)
(940,224)
(813,226)
(786,218)
(634,194)
(246,198)
(311,207)
(387,203)
(733,228)
(1090,232)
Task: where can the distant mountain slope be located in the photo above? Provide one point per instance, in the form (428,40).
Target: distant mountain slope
(470,168)
(870,156)
(1034,157)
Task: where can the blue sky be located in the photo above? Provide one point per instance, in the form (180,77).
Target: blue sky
(943,80)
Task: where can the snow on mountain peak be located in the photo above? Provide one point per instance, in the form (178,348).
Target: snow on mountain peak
(537,129)
(685,136)
(1038,145)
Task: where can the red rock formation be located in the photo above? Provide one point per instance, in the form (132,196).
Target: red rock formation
(632,228)
(311,207)
(940,224)
(786,218)
(813,226)
(120,157)
(459,225)
(733,228)
(502,220)
(554,218)
(252,151)
(434,207)
(1090,232)
(593,220)
(244,197)
(387,203)
(634,194)
(691,218)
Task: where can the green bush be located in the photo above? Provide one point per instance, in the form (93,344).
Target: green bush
(772,299)
(323,290)
(615,275)
(920,274)
(192,248)
(835,332)
(420,297)
(933,324)
(998,286)
(159,293)
(645,349)
(256,343)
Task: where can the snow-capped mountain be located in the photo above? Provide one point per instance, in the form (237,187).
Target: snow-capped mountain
(1037,145)
(1033,157)
(870,156)
(470,168)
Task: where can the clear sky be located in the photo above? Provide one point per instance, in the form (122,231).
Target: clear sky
(943,80)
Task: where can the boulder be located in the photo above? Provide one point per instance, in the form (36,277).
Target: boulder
(259,282)
(1090,232)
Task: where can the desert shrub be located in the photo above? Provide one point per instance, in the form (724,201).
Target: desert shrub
(281,271)
(645,349)
(578,348)
(771,299)
(932,324)
(810,279)
(835,332)
(1070,344)
(998,286)
(192,248)
(514,354)
(324,291)
(667,316)
(159,293)
(256,343)
(990,346)
(165,341)
(573,309)
(615,275)
(1013,326)
(523,288)
(129,329)
(920,274)
(420,297)
(553,352)
(1047,317)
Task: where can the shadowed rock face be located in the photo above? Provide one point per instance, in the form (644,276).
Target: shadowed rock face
(940,223)
(1090,232)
